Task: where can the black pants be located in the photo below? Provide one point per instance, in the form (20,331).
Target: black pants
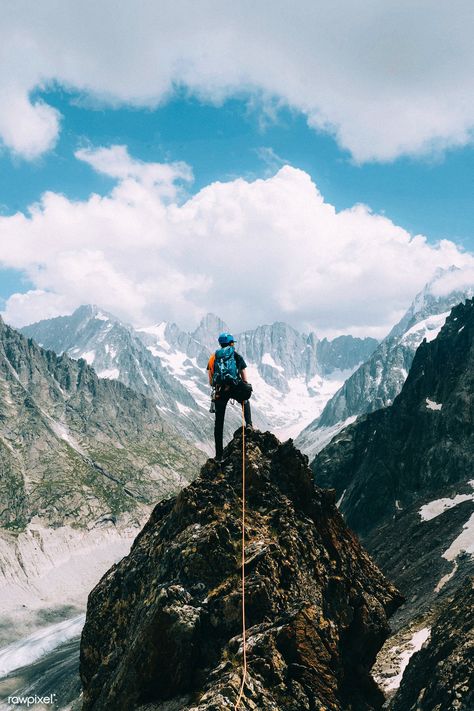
(221,404)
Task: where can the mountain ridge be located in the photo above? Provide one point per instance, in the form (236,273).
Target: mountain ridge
(293,374)
(75,447)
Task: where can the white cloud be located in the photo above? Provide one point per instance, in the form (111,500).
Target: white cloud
(253,252)
(454,280)
(116,162)
(386,78)
(35,305)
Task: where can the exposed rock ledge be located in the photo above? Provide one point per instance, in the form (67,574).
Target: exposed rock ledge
(163,627)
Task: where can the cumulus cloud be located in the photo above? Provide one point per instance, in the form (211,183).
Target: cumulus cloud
(254,252)
(385,78)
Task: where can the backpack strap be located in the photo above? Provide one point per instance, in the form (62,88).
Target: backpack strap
(210,365)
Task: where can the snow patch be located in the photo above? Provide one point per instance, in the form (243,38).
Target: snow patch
(446,578)
(268,360)
(439,506)
(109,373)
(89,357)
(158,331)
(464,542)
(184,409)
(414,645)
(428,329)
(140,372)
(432,405)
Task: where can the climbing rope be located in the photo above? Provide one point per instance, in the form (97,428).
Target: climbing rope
(244,663)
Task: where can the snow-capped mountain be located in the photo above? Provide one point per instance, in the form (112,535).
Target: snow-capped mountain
(293,374)
(116,352)
(378,381)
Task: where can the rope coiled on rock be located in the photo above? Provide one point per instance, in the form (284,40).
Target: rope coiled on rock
(244,660)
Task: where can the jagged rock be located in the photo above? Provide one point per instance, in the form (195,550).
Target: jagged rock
(440,677)
(163,627)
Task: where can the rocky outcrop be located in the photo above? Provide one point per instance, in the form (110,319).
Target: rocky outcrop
(441,675)
(163,627)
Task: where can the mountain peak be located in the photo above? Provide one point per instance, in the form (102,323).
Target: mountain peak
(208,330)
(211,321)
(165,622)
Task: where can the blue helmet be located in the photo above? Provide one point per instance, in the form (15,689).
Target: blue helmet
(225,338)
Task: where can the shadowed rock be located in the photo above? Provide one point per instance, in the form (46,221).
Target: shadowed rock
(441,675)
(163,628)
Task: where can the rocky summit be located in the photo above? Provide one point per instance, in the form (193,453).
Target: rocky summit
(164,625)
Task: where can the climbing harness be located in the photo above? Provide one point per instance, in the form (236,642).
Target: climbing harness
(244,663)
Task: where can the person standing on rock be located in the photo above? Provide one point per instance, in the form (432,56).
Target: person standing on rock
(227,375)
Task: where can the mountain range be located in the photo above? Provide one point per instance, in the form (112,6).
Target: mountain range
(94,434)
(293,374)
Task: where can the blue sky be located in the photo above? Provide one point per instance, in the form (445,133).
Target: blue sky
(363,104)
(428,195)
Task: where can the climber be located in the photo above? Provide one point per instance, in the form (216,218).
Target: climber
(227,376)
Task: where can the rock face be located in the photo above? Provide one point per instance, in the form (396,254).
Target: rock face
(380,378)
(74,448)
(163,627)
(441,675)
(423,444)
(404,477)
